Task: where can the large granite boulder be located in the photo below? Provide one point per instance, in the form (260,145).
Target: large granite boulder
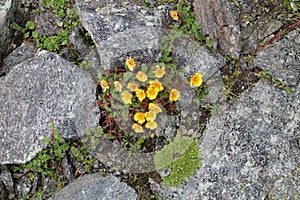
(121,32)
(282,59)
(96,187)
(37,91)
(249,151)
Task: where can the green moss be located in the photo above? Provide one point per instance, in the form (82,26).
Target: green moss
(181,156)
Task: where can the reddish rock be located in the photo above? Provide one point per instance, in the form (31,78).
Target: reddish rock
(219,20)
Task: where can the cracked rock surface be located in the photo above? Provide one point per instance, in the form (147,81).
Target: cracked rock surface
(34,92)
(249,151)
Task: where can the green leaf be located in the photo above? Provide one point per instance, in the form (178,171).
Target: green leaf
(45,141)
(26,35)
(16,26)
(144,68)
(127,76)
(208,42)
(100,77)
(288,89)
(35,35)
(30,25)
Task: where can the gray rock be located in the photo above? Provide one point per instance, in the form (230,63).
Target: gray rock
(91,63)
(215,86)
(96,187)
(47,23)
(67,168)
(219,20)
(192,58)
(34,92)
(87,55)
(3,191)
(50,189)
(20,54)
(6,11)
(6,178)
(251,36)
(22,186)
(250,151)
(121,32)
(114,156)
(282,59)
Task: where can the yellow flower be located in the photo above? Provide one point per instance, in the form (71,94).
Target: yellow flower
(151,125)
(155,108)
(151,93)
(152,135)
(139,117)
(174,15)
(174,95)
(126,97)
(118,86)
(104,85)
(159,72)
(130,63)
(137,128)
(150,116)
(196,80)
(141,76)
(156,85)
(132,86)
(141,95)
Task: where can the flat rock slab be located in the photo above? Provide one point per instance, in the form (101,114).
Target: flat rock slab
(36,91)
(282,59)
(122,32)
(96,187)
(250,151)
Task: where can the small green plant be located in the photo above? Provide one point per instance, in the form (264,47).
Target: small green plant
(27,30)
(181,156)
(189,25)
(55,42)
(82,155)
(59,6)
(201,93)
(292,5)
(52,43)
(47,162)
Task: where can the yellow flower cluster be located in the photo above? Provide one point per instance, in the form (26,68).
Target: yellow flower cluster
(148,117)
(146,90)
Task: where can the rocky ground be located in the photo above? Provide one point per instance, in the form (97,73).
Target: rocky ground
(247,126)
